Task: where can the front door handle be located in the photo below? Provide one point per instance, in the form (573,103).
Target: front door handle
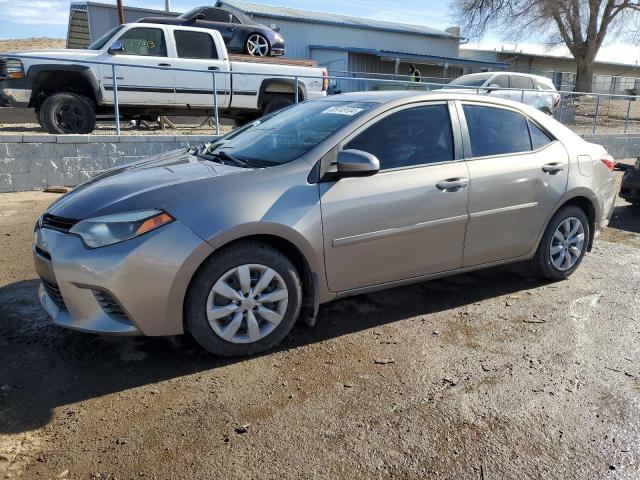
(452,184)
(164,64)
(553,168)
(214,68)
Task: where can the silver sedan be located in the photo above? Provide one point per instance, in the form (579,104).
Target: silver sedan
(237,239)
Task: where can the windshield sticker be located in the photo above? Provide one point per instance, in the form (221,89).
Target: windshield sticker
(350,111)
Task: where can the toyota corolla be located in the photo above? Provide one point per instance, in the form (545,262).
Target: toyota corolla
(235,240)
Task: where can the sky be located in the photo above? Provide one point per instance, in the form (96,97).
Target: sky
(48,18)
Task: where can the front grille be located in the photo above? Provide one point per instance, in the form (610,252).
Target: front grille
(110,306)
(54,293)
(58,223)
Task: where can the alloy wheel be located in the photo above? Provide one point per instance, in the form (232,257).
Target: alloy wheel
(567,244)
(257,45)
(247,303)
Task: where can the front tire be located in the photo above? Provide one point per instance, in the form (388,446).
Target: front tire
(244,300)
(563,244)
(63,113)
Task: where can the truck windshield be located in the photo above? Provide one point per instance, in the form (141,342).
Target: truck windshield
(291,133)
(99,43)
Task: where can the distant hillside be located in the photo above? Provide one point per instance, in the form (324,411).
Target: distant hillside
(31,44)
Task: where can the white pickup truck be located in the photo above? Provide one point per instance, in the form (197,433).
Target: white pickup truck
(67,92)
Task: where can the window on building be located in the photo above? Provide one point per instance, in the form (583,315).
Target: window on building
(147,42)
(414,136)
(496,131)
(195,45)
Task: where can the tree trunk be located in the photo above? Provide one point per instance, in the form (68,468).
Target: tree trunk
(584,75)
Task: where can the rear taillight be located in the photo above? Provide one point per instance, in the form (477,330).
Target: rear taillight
(325,80)
(608,161)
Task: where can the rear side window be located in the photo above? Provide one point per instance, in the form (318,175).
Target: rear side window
(521,82)
(195,45)
(539,138)
(148,42)
(496,131)
(415,136)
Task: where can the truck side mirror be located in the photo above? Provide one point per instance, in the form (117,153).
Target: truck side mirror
(492,87)
(116,48)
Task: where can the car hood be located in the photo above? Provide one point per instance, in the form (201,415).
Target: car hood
(62,53)
(150,183)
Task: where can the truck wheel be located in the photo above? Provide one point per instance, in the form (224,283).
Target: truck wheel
(274,103)
(257,45)
(244,300)
(67,113)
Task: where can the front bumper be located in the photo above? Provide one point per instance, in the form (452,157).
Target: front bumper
(630,186)
(130,288)
(15,93)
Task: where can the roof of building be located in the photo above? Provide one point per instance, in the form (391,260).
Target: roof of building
(288,13)
(554,56)
(418,58)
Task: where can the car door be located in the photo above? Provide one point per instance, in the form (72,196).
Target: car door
(518,174)
(408,219)
(220,20)
(197,51)
(498,86)
(525,90)
(142,46)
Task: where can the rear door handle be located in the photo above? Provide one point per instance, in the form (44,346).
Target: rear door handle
(553,168)
(214,68)
(164,64)
(452,184)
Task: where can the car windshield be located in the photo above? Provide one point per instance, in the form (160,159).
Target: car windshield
(469,81)
(290,133)
(99,43)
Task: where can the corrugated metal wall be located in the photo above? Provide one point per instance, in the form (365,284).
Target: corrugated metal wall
(299,35)
(103,18)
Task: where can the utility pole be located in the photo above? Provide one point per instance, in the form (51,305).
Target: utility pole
(167,6)
(120,12)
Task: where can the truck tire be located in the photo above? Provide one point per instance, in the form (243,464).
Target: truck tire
(67,113)
(273,103)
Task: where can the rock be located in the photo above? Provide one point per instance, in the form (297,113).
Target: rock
(64,473)
(451,381)
(383,361)
(347,385)
(242,429)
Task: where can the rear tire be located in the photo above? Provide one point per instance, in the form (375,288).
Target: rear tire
(63,113)
(562,249)
(221,273)
(274,103)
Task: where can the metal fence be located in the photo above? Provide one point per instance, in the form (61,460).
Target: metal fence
(580,111)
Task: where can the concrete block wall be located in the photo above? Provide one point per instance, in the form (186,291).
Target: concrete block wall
(35,162)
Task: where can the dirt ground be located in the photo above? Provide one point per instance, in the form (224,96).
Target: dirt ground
(491,375)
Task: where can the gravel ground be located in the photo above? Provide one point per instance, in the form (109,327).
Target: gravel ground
(490,375)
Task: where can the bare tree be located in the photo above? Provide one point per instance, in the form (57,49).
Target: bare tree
(581,25)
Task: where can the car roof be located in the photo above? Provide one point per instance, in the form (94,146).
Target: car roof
(410,96)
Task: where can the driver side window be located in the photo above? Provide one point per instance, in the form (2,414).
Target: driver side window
(148,42)
(217,15)
(410,137)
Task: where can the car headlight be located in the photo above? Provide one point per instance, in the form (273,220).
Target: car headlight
(14,68)
(109,229)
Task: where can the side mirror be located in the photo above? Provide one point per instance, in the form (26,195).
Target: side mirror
(116,47)
(492,87)
(356,163)
(198,16)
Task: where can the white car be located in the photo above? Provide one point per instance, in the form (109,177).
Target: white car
(67,92)
(534,90)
